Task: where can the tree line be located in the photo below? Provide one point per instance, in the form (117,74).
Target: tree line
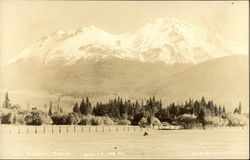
(121,111)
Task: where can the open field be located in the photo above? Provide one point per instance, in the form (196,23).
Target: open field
(211,143)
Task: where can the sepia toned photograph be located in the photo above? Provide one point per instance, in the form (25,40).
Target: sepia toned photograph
(124,79)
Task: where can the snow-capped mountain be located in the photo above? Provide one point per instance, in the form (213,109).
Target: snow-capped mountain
(165,40)
(92,62)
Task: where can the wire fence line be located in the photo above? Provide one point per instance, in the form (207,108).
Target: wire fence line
(57,129)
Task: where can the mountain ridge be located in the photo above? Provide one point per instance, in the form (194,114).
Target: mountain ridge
(161,39)
(224,80)
(166,58)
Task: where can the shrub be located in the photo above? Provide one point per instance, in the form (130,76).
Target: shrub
(56,119)
(72,118)
(155,122)
(214,121)
(237,120)
(130,118)
(187,121)
(60,119)
(37,118)
(33,119)
(124,116)
(124,122)
(20,119)
(7,118)
(67,119)
(64,119)
(170,120)
(108,121)
(97,121)
(143,122)
(86,120)
(20,116)
(46,119)
(137,118)
(13,116)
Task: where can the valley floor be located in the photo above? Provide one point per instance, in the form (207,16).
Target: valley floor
(193,144)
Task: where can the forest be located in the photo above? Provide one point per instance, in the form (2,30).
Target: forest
(119,111)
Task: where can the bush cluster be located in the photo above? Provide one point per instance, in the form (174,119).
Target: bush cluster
(13,116)
(79,119)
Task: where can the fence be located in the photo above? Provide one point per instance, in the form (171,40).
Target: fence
(57,129)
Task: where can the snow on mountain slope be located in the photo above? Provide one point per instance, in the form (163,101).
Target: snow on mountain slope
(165,40)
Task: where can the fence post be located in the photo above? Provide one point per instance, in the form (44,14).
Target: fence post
(109,128)
(27,130)
(128,127)
(35,130)
(89,128)
(102,128)
(52,130)
(74,128)
(116,128)
(95,128)
(67,129)
(59,129)
(43,129)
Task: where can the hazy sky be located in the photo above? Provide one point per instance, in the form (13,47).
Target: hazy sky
(23,22)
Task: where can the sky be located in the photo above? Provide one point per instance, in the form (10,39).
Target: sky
(24,22)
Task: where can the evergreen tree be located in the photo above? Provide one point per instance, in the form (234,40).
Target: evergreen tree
(196,107)
(174,110)
(201,118)
(210,105)
(142,103)
(15,119)
(6,103)
(82,106)
(223,110)
(57,108)
(239,108)
(85,107)
(219,111)
(160,105)
(61,110)
(216,110)
(51,110)
(137,107)
(117,111)
(94,111)
(76,108)
(236,110)
(203,102)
